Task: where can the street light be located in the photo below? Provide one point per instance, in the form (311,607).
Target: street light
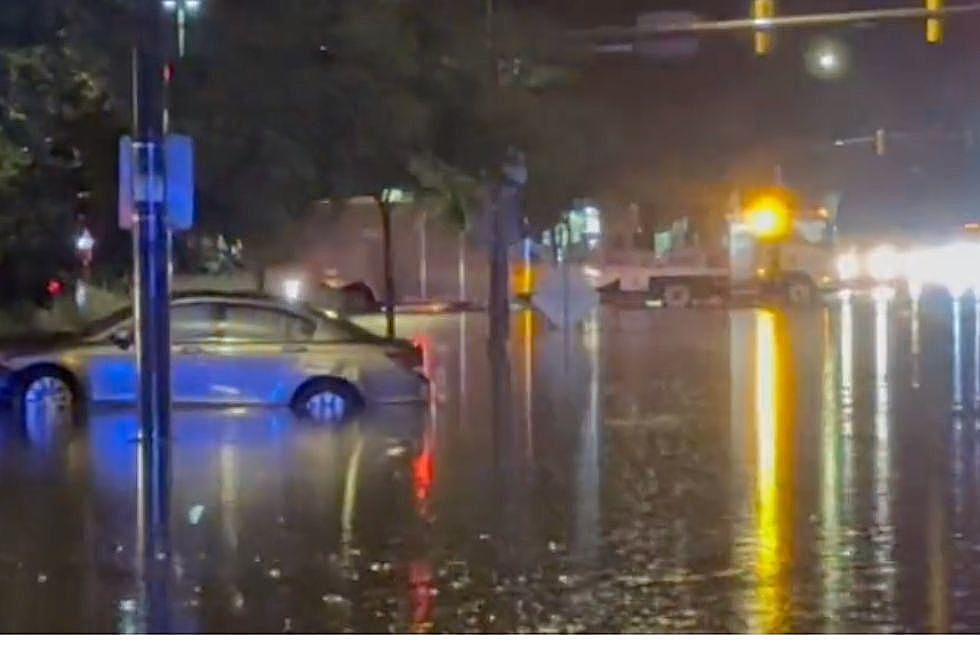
(768,218)
(827,59)
(182,9)
(84,245)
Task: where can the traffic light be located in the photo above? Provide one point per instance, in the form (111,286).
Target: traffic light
(880,142)
(934,25)
(763,11)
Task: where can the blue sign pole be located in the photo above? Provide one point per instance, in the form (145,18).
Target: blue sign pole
(143,173)
(151,235)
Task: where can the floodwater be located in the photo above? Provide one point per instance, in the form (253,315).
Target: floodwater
(654,471)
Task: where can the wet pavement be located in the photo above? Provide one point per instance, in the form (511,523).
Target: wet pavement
(657,471)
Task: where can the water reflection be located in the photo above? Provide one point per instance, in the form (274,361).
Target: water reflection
(187,536)
(831,489)
(153,544)
(976,351)
(588,480)
(884,536)
(650,471)
(847,358)
(775,462)
(957,355)
(915,345)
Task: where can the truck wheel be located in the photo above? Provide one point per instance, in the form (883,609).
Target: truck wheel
(799,293)
(677,295)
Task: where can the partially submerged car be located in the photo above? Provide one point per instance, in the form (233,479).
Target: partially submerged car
(227,349)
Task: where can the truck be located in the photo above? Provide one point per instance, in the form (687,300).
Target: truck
(751,263)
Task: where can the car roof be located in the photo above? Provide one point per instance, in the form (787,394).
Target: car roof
(251,298)
(237,295)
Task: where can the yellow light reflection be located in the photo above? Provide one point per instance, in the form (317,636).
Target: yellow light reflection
(527,338)
(774,404)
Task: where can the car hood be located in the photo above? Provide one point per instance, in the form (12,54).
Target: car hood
(35,344)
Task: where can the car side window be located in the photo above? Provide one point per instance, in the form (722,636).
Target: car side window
(195,321)
(328,331)
(263,324)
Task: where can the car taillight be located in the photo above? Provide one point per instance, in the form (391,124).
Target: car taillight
(409,357)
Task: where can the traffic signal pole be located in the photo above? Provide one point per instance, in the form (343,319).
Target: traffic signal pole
(151,236)
(933,11)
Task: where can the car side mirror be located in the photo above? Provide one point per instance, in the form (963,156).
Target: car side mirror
(121,338)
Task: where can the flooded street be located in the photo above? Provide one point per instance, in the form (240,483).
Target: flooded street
(655,471)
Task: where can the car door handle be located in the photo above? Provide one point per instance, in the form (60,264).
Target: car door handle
(188,350)
(293,348)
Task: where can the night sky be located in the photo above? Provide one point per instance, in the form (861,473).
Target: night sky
(727,115)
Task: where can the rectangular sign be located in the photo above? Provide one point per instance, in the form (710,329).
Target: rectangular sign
(146,179)
(179,157)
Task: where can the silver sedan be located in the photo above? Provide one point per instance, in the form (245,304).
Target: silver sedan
(227,349)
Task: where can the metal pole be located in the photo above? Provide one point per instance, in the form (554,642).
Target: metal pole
(423,263)
(151,237)
(804,20)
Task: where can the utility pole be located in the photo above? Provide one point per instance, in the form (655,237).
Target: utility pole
(498,304)
(151,235)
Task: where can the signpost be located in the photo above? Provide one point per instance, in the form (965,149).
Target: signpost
(155,196)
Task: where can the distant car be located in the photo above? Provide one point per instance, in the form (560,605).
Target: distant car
(228,349)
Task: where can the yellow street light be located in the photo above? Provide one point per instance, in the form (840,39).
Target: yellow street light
(768,218)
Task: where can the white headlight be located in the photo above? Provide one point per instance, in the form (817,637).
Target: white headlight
(884,263)
(848,266)
(954,267)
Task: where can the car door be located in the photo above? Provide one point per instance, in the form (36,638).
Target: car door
(193,326)
(254,359)
(109,362)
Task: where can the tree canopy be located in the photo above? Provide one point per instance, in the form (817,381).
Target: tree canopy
(57,126)
(289,102)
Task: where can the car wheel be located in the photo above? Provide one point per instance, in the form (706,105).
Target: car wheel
(46,390)
(326,400)
(677,296)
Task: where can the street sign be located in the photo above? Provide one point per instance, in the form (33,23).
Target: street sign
(175,190)
(179,162)
(565,296)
